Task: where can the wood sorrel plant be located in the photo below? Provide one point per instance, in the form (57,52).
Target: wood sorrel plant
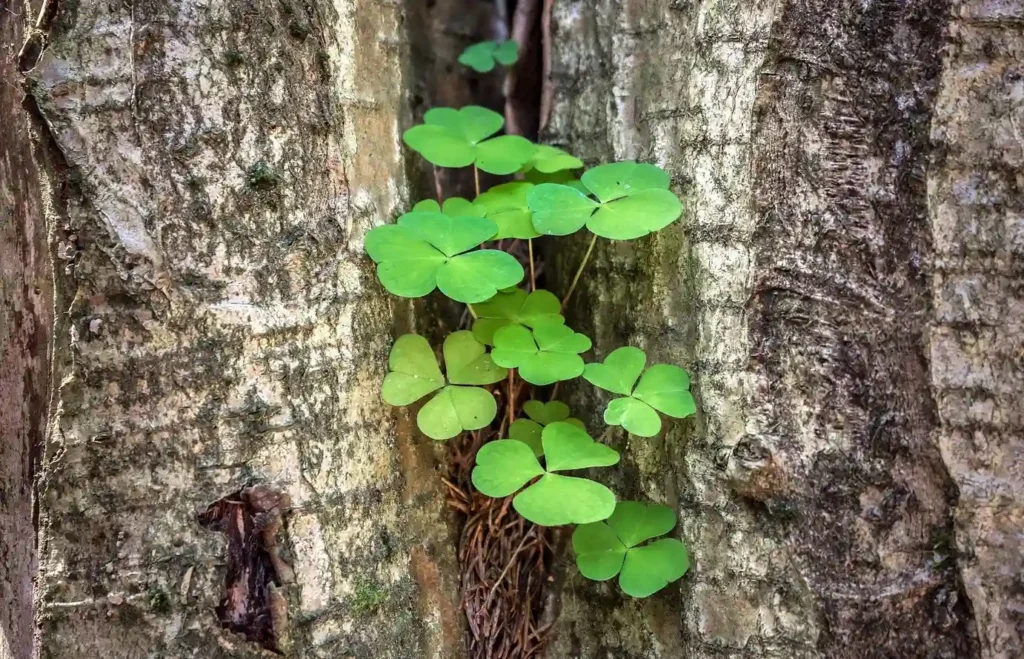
(520,333)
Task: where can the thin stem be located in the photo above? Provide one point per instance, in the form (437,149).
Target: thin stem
(511,397)
(554,391)
(533,275)
(471,312)
(579,271)
(476,179)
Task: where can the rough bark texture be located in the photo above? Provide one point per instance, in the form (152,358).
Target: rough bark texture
(26,321)
(220,326)
(799,289)
(977,345)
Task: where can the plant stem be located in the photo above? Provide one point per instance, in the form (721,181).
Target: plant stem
(476,179)
(471,312)
(554,392)
(579,271)
(511,397)
(437,185)
(533,275)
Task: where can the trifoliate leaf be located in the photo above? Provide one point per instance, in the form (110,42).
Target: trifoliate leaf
(453,207)
(550,412)
(506,206)
(544,356)
(515,308)
(632,201)
(425,250)
(455,409)
(612,547)
(456,138)
(415,373)
(528,432)
(503,466)
(467,362)
(619,371)
(663,387)
(481,57)
(649,568)
(554,499)
(548,160)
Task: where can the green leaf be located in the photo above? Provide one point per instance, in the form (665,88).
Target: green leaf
(424,251)
(503,466)
(635,522)
(599,552)
(479,56)
(517,347)
(506,206)
(618,372)
(414,372)
(622,179)
(548,160)
(550,412)
(568,447)
(559,210)
(528,432)
(453,207)
(555,500)
(455,409)
(666,388)
(607,548)
(648,569)
(503,155)
(467,362)
(515,308)
(507,52)
(634,415)
(633,200)
(456,138)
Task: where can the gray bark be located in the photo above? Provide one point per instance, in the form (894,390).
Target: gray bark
(842,289)
(215,166)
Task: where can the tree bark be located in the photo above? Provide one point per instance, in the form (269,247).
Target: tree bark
(842,288)
(220,337)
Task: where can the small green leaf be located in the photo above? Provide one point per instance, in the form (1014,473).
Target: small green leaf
(648,569)
(556,337)
(467,362)
(666,388)
(636,216)
(634,415)
(607,548)
(455,409)
(503,155)
(479,56)
(406,264)
(517,347)
(440,146)
(503,466)
(559,210)
(528,432)
(456,138)
(507,52)
(568,447)
(550,412)
(622,179)
(414,372)
(450,235)
(513,346)
(548,160)
(426,206)
(473,122)
(453,207)
(635,522)
(515,308)
(479,275)
(506,206)
(619,371)
(599,552)
(555,500)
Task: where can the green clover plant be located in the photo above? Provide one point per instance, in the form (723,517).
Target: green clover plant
(482,57)
(458,138)
(613,547)
(663,388)
(428,250)
(443,246)
(504,466)
(460,404)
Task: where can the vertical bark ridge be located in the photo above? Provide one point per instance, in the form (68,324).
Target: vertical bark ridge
(222,327)
(976,208)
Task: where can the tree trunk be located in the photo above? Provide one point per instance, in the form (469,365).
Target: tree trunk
(843,287)
(211,171)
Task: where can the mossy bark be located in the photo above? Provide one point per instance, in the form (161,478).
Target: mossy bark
(217,166)
(848,172)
